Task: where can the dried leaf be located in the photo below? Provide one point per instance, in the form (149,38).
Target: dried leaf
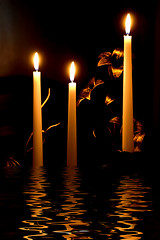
(98,82)
(117,62)
(86,92)
(116,72)
(114,62)
(117,53)
(108,100)
(105,59)
(115,120)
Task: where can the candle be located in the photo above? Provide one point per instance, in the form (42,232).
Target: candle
(127,128)
(37,116)
(72,125)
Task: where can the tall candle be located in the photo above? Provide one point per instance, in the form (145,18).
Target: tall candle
(37,116)
(72,125)
(127,128)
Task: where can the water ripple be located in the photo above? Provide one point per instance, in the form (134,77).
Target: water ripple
(37,201)
(67,206)
(129,204)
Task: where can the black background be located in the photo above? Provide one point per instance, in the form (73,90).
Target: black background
(75,30)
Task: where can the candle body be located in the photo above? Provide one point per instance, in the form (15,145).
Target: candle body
(37,121)
(72,126)
(127,128)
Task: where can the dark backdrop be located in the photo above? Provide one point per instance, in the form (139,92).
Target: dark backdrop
(79,31)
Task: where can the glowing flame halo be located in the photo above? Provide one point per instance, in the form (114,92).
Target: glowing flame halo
(36,61)
(128,24)
(72,71)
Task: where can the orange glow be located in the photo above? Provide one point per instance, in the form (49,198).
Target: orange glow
(108,100)
(132,201)
(36,61)
(72,71)
(35,198)
(128,24)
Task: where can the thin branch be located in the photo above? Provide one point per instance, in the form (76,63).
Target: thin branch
(49,93)
(52,126)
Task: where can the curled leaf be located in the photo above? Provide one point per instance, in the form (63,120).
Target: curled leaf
(114,62)
(108,100)
(117,62)
(105,59)
(115,120)
(86,92)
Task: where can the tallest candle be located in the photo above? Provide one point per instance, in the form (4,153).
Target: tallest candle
(37,116)
(127,127)
(72,124)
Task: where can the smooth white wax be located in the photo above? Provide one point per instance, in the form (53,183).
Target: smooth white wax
(37,121)
(127,120)
(72,126)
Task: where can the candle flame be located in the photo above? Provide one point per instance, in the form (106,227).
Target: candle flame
(72,71)
(36,61)
(128,24)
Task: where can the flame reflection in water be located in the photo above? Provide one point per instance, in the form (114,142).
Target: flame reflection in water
(72,224)
(68,206)
(129,206)
(37,201)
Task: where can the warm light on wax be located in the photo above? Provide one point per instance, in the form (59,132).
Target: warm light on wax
(128,24)
(37,116)
(36,61)
(72,122)
(127,125)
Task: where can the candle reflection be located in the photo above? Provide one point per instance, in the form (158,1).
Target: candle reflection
(38,203)
(130,204)
(72,209)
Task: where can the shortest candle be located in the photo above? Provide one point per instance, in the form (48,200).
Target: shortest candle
(37,116)
(72,125)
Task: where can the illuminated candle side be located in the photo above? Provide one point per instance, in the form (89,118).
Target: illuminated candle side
(37,116)
(127,125)
(72,124)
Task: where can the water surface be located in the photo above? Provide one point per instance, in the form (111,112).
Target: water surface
(73,203)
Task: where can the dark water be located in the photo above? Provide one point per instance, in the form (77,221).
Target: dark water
(71,203)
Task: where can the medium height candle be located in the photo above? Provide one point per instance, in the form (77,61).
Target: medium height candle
(37,116)
(72,124)
(127,127)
